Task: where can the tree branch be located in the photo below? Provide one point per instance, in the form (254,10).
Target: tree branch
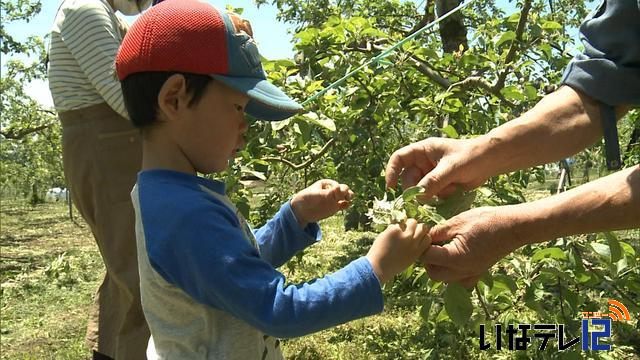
(476,81)
(50,112)
(484,305)
(427,17)
(430,73)
(19,134)
(522,22)
(305,164)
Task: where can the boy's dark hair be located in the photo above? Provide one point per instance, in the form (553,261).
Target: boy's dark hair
(140,92)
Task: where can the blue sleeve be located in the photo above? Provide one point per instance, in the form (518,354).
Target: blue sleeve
(609,68)
(281,238)
(204,253)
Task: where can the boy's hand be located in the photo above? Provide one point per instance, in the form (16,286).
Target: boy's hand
(397,247)
(320,200)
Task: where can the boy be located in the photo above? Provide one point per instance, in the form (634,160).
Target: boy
(209,284)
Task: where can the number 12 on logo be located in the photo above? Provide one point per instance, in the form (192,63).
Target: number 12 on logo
(591,342)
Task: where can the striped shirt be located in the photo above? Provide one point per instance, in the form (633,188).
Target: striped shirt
(84,41)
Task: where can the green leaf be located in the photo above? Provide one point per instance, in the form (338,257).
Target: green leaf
(582,276)
(614,246)
(504,282)
(238,11)
(244,208)
(412,192)
(441,96)
(530,92)
(322,120)
(450,131)
(628,249)
(442,316)
(546,49)
(279,125)
(257,174)
(551,25)
(533,302)
(456,203)
(306,36)
(506,36)
(551,252)
(601,249)
(285,63)
(512,92)
(425,309)
(514,18)
(457,302)
(487,279)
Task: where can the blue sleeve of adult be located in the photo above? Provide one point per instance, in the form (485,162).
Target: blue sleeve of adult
(609,68)
(282,237)
(209,258)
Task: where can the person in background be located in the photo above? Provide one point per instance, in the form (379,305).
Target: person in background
(101,154)
(599,87)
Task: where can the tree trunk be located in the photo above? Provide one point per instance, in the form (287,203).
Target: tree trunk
(453,32)
(634,140)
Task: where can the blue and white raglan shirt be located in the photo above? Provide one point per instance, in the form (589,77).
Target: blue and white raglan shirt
(208,283)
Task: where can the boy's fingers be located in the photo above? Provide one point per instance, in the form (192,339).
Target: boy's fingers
(340,192)
(422,234)
(343,204)
(328,183)
(411,226)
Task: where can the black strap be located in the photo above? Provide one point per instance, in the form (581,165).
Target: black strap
(611,145)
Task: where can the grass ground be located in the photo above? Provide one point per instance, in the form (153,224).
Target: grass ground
(49,271)
(50,268)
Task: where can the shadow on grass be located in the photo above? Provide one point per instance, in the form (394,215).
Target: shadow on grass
(352,250)
(12,265)
(46,222)
(9,240)
(383,341)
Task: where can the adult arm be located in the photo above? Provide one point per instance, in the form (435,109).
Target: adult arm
(560,125)
(482,236)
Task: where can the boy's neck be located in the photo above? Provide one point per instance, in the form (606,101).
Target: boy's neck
(159,152)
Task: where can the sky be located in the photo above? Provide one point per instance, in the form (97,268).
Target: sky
(273,37)
(263,22)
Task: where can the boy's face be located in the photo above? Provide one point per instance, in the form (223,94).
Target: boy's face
(212,129)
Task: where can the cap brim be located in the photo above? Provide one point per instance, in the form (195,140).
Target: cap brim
(266,101)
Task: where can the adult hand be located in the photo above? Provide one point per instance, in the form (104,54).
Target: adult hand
(479,238)
(440,165)
(320,200)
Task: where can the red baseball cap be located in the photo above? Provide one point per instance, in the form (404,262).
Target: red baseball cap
(194,37)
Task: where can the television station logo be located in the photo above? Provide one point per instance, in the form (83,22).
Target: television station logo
(595,328)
